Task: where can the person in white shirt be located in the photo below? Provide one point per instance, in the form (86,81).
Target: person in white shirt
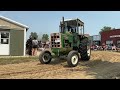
(34,46)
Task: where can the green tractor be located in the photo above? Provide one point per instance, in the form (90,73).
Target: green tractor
(70,42)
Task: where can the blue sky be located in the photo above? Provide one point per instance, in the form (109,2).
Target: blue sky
(48,21)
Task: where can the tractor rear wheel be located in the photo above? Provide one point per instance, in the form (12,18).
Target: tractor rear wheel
(45,57)
(73,58)
(85,50)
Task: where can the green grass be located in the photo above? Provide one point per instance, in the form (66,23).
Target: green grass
(15,60)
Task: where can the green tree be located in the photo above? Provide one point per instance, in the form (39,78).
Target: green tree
(105,28)
(45,37)
(34,34)
(40,36)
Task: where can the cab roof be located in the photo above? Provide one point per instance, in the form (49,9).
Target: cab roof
(73,22)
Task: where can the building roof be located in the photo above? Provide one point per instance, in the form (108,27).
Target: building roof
(14,22)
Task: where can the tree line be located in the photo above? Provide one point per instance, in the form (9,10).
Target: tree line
(106,28)
(43,38)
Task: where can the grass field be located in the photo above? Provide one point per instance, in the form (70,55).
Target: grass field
(102,65)
(16,60)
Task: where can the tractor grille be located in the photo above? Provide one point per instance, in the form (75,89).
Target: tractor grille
(55,40)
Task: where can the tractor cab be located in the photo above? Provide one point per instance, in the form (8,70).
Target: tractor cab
(72,26)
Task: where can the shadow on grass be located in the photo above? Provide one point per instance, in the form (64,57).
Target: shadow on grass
(58,61)
(103,69)
(98,69)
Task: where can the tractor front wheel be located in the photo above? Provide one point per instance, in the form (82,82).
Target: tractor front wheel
(45,57)
(73,58)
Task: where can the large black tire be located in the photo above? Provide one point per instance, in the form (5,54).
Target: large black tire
(45,57)
(84,49)
(73,58)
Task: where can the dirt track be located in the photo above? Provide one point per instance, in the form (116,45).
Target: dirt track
(103,65)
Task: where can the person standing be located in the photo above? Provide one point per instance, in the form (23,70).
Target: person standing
(34,46)
(29,45)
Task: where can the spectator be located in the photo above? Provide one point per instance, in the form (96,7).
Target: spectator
(103,46)
(39,44)
(114,47)
(34,46)
(29,45)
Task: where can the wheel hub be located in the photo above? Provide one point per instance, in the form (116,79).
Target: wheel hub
(88,52)
(74,59)
(46,57)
